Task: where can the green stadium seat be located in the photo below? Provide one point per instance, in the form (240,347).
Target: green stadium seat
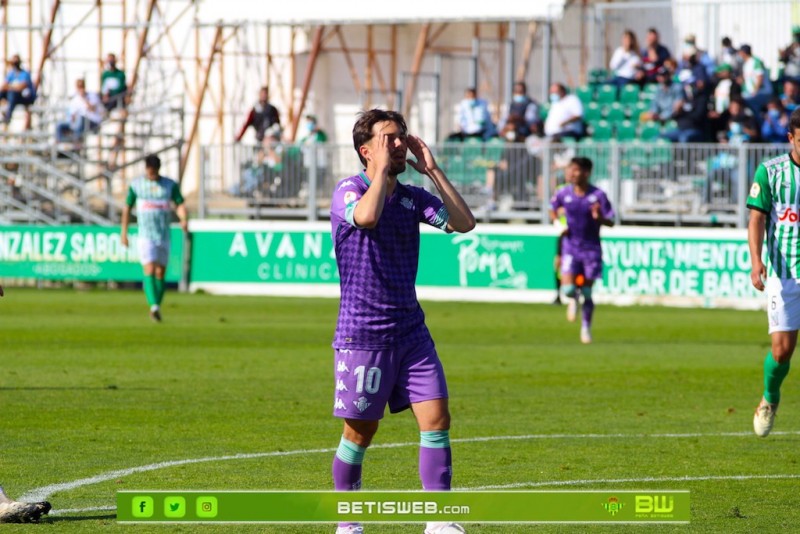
(650,131)
(629,94)
(592,112)
(544,109)
(606,94)
(585,94)
(649,92)
(637,109)
(601,131)
(626,131)
(669,125)
(616,113)
(598,76)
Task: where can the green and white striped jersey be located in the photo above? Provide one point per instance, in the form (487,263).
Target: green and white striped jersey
(776,192)
(153,206)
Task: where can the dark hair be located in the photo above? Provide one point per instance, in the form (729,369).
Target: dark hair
(362,130)
(726,41)
(794,121)
(522,84)
(776,101)
(653,30)
(152,162)
(583,163)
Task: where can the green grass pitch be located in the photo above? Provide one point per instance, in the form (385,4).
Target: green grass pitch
(89,385)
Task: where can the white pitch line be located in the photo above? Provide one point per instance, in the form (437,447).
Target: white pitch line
(44,492)
(624,480)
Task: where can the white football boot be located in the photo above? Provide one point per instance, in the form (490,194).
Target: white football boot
(444,528)
(350,529)
(586,335)
(764,418)
(12,511)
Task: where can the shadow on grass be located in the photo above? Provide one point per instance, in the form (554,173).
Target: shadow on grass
(73,518)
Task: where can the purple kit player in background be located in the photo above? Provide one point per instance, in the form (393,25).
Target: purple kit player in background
(587,209)
(384,353)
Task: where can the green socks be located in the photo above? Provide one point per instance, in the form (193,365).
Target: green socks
(149,286)
(159,290)
(774,373)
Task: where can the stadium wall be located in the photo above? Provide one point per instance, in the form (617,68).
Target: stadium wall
(667,266)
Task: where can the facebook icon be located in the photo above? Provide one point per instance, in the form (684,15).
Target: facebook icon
(142,507)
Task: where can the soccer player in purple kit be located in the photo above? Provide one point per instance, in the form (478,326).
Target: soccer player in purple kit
(587,209)
(384,353)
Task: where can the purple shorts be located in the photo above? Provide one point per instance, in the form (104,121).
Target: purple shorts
(589,263)
(366,380)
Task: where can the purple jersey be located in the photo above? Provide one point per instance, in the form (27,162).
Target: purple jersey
(378,266)
(583,230)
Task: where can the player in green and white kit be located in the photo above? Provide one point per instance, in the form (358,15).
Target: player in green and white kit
(153,196)
(774,204)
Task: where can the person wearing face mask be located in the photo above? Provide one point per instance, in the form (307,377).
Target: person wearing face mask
(113,85)
(527,109)
(742,124)
(776,122)
(18,88)
(790,57)
(565,117)
(474,119)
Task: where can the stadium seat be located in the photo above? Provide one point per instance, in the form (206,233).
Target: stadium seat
(601,131)
(616,113)
(648,92)
(637,109)
(629,94)
(650,131)
(585,94)
(598,76)
(606,94)
(592,112)
(626,131)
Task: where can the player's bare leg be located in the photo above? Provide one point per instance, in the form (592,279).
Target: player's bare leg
(571,292)
(776,367)
(356,437)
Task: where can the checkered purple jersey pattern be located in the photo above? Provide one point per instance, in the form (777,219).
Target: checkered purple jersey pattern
(378,266)
(583,230)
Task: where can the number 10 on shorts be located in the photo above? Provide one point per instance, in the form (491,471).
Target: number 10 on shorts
(367,380)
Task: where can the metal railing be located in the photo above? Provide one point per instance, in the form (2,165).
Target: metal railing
(648,182)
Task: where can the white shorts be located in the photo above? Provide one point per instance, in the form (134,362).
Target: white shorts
(783,304)
(152,252)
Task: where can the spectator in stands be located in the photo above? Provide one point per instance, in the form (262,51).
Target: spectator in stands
(756,86)
(703,57)
(725,88)
(790,57)
(742,124)
(261,117)
(653,41)
(728,55)
(565,118)
(525,111)
(691,116)
(626,62)
(666,99)
(791,95)
(776,122)
(690,70)
(650,65)
(85,113)
(113,86)
(18,88)
(474,119)
(311,133)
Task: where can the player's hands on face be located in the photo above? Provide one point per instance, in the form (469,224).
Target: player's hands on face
(425,162)
(758,274)
(381,155)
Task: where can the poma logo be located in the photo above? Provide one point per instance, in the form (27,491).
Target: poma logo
(789,215)
(659,504)
(613,506)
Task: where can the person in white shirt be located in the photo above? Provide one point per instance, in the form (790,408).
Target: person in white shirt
(565,118)
(626,61)
(85,112)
